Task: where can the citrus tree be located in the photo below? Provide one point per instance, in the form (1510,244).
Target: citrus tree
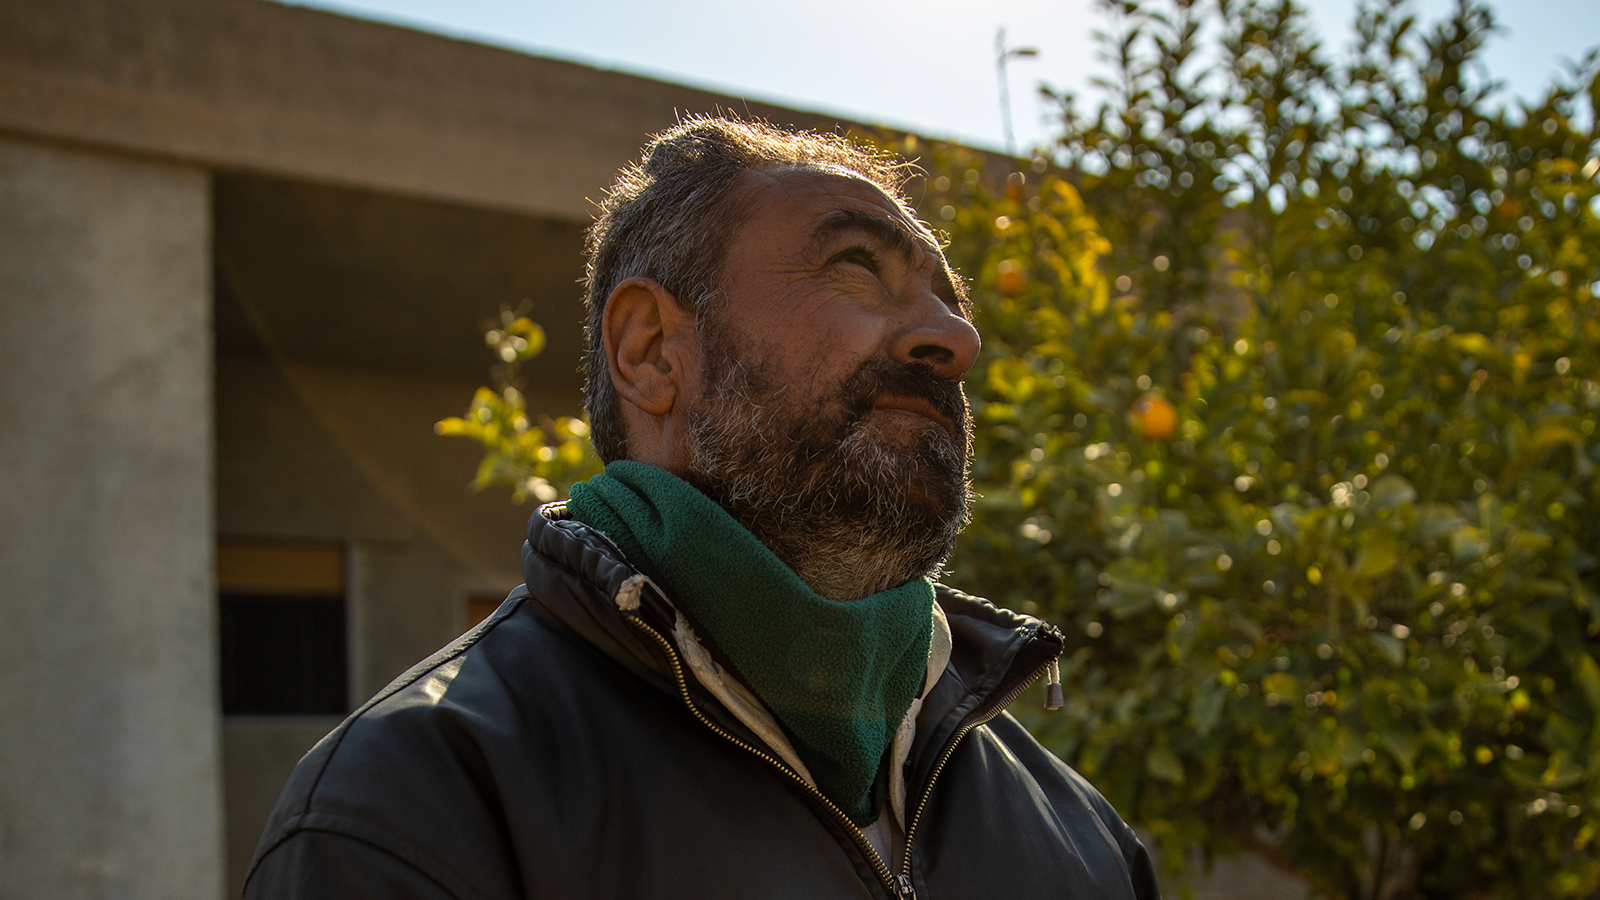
(1286,413)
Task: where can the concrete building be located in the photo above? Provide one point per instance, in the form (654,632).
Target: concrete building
(247,253)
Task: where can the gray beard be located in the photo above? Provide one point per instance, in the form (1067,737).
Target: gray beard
(851,508)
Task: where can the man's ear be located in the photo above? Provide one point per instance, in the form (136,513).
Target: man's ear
(652,346)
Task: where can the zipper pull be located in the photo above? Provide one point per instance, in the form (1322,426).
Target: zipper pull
(1054,698)
(906,890)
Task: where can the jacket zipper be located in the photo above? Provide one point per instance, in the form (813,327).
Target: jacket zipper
(906,890)
(899,886)
(889,882)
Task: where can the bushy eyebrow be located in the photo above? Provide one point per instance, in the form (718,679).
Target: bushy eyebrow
(893,236)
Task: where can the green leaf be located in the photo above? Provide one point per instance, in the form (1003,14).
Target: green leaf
(1527,541)
(1562,772)
(1563,735)
(1587,676)
(531,332)
(1402,746)
(1376,556)
(1467,543)
(1206,705)
(1491,516)
(1435,520)
(1286,517)
(1527,772)
(1390,491)
(1392,648)
(1282,684)
(1472,343)
(1325,747)
(1131,589)
(1552,434)
(1164,765)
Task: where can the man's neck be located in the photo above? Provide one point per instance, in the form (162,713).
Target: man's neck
(844,566)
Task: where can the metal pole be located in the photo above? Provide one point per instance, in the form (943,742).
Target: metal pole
(1000,56)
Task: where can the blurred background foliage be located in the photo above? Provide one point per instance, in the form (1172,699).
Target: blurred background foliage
(1286,413)
(536,456)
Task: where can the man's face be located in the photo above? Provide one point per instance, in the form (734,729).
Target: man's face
(833,423)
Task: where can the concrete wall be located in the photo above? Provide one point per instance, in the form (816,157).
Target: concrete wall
(319,452)
(110,786)
(326,452)
(251,85)
(350,277)
(258,755)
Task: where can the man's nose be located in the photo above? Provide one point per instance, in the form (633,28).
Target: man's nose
(940,337)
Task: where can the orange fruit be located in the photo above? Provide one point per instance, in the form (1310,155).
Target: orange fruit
(1155,416)
(1010,278)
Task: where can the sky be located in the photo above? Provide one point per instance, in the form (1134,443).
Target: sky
(927,66)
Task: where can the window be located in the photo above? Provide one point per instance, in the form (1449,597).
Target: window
(284,631)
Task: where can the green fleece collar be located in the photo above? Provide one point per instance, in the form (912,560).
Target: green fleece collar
(839,677)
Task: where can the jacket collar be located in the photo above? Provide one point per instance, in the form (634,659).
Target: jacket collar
(575,574)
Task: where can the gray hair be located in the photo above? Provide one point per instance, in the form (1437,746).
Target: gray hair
(671,216)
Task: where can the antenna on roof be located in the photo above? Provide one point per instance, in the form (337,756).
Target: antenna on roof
(1002,55)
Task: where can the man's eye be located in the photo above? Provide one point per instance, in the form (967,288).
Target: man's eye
(859,256)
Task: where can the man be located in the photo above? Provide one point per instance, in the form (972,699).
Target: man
(728,674)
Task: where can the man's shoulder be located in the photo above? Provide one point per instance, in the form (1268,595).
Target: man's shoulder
(1003,762)
(1004,771)
(410,703)
(542,657)
(1054,775)
(412,771)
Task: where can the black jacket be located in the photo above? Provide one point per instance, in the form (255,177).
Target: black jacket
(560,750)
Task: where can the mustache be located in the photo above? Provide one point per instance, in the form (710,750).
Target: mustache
(884,377)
